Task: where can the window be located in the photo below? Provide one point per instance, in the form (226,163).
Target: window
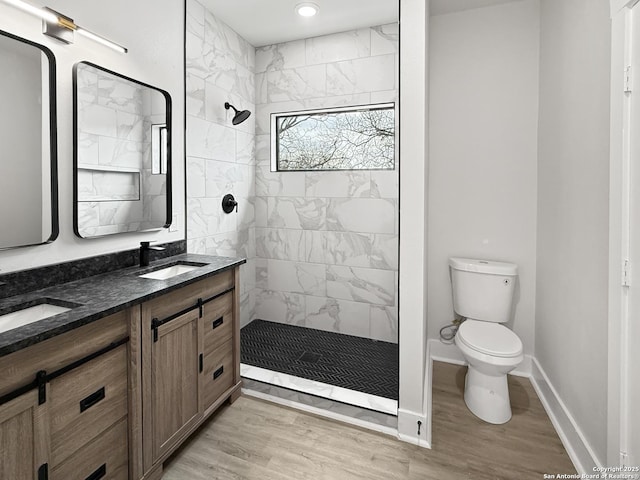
(159,149)
(348,138)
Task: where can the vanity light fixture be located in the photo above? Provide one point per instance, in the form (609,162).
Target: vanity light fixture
(97,38)
(307,9)
(61,27)
(38,12)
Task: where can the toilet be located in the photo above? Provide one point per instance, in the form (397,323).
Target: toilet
(483,295)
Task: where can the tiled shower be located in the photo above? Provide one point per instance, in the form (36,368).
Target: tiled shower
(321,247)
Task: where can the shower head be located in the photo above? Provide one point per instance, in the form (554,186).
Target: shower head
(240,116)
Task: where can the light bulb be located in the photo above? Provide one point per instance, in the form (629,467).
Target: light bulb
(307,9)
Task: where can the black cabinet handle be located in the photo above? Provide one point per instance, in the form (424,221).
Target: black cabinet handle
(218,372)
(217,323)
(41,382)
(201,362)
(43,472)
(91,400)
(99,473)
(155,324)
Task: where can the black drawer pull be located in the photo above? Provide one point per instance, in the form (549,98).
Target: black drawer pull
(91,400)
(43,472)
(218,372)
(99,473)
(218,322)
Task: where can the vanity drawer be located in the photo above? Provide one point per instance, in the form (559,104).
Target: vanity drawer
(19,368)
(86,401)
(218,322)
(187,297)
(218,373)
(105,457)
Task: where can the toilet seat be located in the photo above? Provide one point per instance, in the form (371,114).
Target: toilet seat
(489,338)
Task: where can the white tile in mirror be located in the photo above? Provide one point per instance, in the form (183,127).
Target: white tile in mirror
(122,180)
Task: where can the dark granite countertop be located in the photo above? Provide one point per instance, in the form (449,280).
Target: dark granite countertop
(102,295)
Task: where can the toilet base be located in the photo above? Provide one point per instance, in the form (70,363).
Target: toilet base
(487,396)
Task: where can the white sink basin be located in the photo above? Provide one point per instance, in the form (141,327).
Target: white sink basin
(170,272)
(29,315)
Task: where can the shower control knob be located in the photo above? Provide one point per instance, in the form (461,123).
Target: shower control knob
(229,203)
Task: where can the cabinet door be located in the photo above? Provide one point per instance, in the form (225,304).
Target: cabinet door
(218,372)
(175,399)
(23,438)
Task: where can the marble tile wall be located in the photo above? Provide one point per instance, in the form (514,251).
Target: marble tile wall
(326,242)
(220,156)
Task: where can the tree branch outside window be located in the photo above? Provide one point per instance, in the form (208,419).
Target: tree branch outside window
(354,138)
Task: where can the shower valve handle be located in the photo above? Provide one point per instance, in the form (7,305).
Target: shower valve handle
(229,203)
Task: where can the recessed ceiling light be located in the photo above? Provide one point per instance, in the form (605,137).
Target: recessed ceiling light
(307,9)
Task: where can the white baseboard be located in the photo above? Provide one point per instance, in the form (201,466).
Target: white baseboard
(576,445)
(444,352)
(574,441)
(408,428)
(428,395)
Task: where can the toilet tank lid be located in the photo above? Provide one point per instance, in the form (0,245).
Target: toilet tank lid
(483,266)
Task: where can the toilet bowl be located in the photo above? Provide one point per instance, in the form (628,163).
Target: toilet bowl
(491,351)
(483,295)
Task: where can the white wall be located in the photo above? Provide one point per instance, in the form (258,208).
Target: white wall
(414,102)
(327,242)
(154,35)
(573,203)
(483,150)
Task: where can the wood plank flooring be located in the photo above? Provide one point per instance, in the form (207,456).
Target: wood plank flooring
(253,439)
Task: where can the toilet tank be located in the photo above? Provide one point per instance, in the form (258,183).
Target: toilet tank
(482,289)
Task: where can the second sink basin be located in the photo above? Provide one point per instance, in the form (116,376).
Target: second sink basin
(172,271)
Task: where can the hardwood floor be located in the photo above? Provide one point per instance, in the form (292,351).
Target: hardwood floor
(253,439)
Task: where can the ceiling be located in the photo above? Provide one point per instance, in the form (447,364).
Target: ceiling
(441,7)
(266,22)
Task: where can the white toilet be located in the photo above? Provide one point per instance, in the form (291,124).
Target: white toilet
(483,294)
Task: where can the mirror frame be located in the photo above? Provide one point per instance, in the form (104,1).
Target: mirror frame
(53,140)
(169,124)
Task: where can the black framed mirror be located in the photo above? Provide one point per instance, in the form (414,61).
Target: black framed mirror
(122,153)
(28,158)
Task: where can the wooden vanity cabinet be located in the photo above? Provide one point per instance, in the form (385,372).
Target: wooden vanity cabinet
(24,450)
(64,405)
(114,398)
(190,363)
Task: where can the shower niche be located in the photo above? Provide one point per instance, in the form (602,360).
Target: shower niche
(122,154)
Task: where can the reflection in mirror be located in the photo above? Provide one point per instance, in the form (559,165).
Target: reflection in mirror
(28,187)
(122,154)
